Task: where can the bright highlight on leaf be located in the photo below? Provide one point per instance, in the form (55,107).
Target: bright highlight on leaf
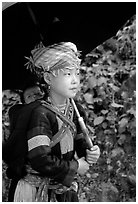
(98,120)
(115,105)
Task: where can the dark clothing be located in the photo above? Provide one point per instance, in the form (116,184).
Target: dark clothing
(51,161)
(14,151)
(69,196)
(42,124)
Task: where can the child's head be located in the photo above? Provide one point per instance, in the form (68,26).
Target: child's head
(31,94)
(59,65)
(32,91)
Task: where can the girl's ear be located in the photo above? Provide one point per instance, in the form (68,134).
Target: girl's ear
(47,78)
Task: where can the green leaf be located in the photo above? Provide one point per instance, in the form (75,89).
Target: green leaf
(109,168)
(121,129)
(132,179)
(104,111)
(117,151)
(95,175)
(132,111)
(110,118)
(97,99)
(115,88)
(123,122)
(88,98)
(122,139)
(98,120)
(101,80)
(92,81)
(115,105)
(6,123)
(104,125)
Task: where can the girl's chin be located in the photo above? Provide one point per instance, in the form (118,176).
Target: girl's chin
(72,95)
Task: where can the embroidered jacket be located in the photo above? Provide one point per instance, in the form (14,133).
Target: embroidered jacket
(57,162)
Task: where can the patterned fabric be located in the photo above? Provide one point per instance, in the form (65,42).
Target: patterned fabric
(66,143)
(37,141)
(46,160)
(34,188)
(24,192)
(57,56)
(50,161)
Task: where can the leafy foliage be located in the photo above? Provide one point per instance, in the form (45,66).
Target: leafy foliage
(108,94)
(9,98)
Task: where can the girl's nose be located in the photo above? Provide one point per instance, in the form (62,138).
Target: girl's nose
(75,79)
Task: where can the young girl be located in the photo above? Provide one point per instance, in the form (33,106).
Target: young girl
(54,136)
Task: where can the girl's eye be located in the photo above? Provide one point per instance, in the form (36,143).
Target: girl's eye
(67,74)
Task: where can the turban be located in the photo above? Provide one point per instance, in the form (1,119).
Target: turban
(53,57)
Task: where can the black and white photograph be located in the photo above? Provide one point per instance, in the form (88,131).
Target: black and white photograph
(69,101)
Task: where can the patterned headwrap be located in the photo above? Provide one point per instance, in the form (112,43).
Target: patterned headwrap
(54,57)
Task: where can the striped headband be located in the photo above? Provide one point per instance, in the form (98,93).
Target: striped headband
(57,56)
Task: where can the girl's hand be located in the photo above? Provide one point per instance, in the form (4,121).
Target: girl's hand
(83,166)
(93,154)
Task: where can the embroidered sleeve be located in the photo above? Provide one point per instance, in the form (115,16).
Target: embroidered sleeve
(41,156)
(37,141)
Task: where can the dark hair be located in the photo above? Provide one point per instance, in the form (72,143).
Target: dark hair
(30,82)
(43,87)
(27,87)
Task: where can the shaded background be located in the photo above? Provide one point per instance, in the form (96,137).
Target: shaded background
(85,24)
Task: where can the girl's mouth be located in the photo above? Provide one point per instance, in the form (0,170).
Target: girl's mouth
(74,90)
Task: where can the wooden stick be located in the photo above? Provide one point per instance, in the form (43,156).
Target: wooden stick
(83,126)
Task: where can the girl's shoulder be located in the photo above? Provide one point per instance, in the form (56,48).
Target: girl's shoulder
(43,108)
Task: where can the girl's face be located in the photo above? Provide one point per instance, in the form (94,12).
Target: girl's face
(65,84)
